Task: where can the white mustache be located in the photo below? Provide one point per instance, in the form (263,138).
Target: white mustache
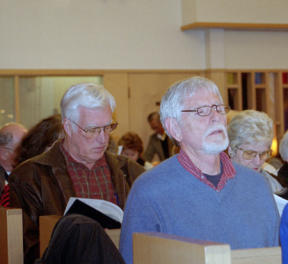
(216,128)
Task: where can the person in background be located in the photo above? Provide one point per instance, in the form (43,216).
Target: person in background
(10,136)
(159,143)
(199,193)
(39,138)
(250,134)
(131,146)
(77,165)
(283,151)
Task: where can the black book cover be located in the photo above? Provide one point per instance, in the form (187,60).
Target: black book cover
(105,221)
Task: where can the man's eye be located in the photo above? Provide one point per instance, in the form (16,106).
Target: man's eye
(250,152)
(92,130)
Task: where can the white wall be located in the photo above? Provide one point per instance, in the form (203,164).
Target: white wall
(252,49)
(98,34)
(128,34)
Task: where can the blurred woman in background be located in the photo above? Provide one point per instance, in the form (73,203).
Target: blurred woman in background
(250,134)
(130,145)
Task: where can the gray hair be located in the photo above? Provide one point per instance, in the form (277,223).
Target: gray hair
(250,127)
(172,102)
(283,147)
(88,95)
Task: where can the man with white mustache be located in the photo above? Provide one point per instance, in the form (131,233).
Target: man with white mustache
(199,193)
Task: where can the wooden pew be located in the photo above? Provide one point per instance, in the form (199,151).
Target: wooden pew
(11,236)
(159,248)
(47,223)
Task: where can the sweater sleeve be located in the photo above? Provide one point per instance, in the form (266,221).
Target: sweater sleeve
(139,216)
(284,235)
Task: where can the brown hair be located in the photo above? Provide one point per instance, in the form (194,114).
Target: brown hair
(131,140)
(39,138)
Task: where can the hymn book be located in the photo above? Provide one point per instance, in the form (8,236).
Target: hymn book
(107,214)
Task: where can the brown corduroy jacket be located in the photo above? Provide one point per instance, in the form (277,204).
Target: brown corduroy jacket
(42,186)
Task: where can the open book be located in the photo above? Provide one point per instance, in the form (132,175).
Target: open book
(280,202)
(108,214)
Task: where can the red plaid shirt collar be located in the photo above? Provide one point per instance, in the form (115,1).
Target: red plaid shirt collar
(228,171)
(93,183)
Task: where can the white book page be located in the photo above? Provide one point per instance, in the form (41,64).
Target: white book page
(107,208)
(280,203)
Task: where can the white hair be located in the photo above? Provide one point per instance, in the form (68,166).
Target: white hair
(88,95)
(250,127)
(172,102)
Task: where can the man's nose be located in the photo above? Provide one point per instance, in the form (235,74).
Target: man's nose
(102,137)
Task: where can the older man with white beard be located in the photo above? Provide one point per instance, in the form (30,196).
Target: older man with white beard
(199,193)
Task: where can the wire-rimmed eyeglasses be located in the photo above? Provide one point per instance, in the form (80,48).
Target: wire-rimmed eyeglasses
(251,154)
(207,109)
(91,132)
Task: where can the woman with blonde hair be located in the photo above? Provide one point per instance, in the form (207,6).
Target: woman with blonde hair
(250,134)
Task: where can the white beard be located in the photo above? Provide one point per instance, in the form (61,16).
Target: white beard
(220,144)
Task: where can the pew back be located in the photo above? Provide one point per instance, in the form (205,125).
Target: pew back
(159,248)
(11,236)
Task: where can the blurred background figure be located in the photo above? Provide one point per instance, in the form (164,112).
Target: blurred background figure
(283,150)
(159,143)
(39,138)
(250,134)
(10,136)
(131,146)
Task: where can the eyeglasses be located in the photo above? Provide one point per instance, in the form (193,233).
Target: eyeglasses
(91,132)
(251,154)
(207,109)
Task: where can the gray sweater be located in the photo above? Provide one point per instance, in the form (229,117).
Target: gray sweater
(170,200)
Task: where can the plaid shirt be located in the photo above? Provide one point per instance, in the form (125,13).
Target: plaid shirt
(5,197)
(227,166)
(95,183)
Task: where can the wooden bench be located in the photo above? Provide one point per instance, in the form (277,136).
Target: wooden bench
(150,248)
(11,236)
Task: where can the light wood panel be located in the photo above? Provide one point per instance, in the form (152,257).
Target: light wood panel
(150,248)
(11,236)
(246,26)
(146,91)
(117,85)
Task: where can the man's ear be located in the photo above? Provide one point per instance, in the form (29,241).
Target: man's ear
(4,154)
(67,126)
(173,128)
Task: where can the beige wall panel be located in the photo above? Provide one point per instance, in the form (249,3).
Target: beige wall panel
(235,11)
(219,78)
(116,83)
(146,90)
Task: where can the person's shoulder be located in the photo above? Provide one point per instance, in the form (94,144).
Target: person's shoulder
(161,172)
(23,172)
(250,177)
(27,169)
(120,160)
